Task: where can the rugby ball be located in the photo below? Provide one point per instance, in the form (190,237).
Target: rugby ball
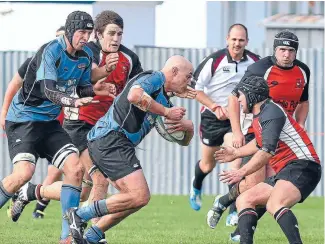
(162,130)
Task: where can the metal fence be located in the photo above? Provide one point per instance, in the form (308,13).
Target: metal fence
(167,166)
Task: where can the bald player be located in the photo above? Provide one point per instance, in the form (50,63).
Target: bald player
(112,142)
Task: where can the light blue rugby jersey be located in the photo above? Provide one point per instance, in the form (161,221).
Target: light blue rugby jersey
(127,118)
(51,62)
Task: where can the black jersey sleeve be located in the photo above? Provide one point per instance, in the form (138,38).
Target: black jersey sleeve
(272,120)
(85,91)
(305,94)
(136,68)
(23,68)
(95,48)
(55,96)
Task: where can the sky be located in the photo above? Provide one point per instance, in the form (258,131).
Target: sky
(183,24)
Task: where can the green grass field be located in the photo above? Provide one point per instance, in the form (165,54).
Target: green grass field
(167,219)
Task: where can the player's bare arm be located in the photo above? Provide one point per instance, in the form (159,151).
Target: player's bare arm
(138,97)
(302,113)
(13,86)
(234,117)
(190,93)
(227,154)
(202,98)
(259,160)
(101,72)
(181,125)
(220,112)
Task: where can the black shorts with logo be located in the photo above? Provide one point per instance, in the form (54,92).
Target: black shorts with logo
(213,130)
(248,137)
(77,130)
(114,155)
(304,174)
(40,138)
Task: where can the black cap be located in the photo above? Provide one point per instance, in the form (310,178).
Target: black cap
(77,20)
(286,38)
(255,90)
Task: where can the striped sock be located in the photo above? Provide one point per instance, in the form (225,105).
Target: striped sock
(96,209)
(4,195)
(94,234)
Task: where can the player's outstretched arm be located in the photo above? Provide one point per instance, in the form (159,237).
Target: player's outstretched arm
(234,117)
(202,98)
(259,160)
(227,154)
(13,87)
(63,99)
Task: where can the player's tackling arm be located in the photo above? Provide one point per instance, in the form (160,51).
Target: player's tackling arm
(227,154)
(202,98)
(234,113)
(272,122)
(259,159)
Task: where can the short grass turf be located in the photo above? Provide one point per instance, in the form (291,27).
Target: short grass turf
(167,219)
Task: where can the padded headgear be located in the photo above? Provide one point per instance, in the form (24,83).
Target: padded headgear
(255,90)
(286,38)
(77,20)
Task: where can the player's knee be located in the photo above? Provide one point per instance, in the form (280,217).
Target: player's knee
(142,199)
(23,173)
(145,200)
(207,164)
(227,139)
(85,194)
(245,200)
(74,169)
(241,201)
(24,177)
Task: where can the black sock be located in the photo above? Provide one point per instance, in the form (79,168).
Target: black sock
(236,231)
(199,176)
(232,207)
(33,192)
(260,212)
(247,222)
(41,205)
(231,196)
(289,225)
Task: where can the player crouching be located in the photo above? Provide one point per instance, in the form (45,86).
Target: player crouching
(282,142)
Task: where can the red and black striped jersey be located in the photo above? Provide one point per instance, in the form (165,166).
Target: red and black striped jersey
(277,133)
(288,86)
(127,67)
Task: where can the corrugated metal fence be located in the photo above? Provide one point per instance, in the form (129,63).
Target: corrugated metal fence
(169,167)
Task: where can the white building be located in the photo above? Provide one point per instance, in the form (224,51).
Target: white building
(170,23)
(28,25)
